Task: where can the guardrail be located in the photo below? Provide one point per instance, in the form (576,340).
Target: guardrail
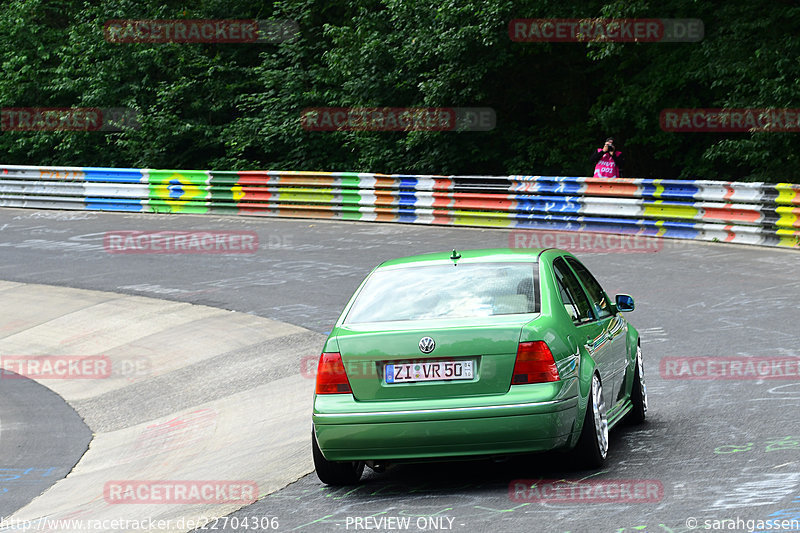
(738,212)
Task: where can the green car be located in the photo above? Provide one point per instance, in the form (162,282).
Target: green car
(475,353)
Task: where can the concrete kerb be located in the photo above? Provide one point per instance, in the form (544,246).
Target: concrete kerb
(218,396)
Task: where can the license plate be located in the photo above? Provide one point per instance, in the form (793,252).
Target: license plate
(428,371)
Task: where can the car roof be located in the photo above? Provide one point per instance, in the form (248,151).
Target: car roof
(488,255)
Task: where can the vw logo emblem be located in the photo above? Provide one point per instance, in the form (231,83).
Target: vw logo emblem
(426,345)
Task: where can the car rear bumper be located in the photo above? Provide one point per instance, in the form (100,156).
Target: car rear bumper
(459,431)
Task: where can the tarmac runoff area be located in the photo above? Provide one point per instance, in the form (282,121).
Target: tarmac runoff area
(194,411)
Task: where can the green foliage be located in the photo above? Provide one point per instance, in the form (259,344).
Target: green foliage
(238,106)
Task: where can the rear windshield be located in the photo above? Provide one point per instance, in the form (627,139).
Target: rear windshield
(445,291)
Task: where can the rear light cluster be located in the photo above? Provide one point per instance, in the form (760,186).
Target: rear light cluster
(331,377)
(534,364)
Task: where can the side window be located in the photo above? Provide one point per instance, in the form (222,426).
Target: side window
(572,295)
(594,289)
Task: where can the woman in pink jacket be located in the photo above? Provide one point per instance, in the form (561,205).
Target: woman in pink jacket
(608,161)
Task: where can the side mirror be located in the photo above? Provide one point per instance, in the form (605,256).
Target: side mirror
(625,303)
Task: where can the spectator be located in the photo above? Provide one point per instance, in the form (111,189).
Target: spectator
(608,161)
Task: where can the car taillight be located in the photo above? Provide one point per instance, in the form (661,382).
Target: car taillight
(534,364)
(331,377)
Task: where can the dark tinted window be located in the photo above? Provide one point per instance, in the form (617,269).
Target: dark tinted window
(572,295)
(594,289)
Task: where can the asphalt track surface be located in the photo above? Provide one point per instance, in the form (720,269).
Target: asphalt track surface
(41,439)
(719,449)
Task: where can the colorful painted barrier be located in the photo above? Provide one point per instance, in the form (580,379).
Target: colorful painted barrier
(748,213)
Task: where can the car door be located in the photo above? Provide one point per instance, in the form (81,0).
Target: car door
(590,330)
(613,330)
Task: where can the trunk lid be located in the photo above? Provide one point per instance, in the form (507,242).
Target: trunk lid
(490,344)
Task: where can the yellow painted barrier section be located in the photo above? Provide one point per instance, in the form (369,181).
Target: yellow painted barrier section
(658,209)
(481,218)
(788,194)
(789,217)
(659,188)
(306,195)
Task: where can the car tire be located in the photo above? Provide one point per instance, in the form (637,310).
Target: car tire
(335,472)
(592,447)
(639,392)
